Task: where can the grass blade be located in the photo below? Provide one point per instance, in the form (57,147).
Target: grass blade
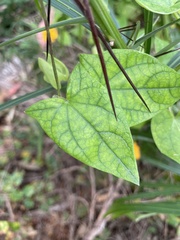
(78,20)
(167,48)
(167,164)
(168,207)
(25,97)
(142,202)
(151,34)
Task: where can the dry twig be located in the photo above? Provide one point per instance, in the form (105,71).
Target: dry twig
(101,220)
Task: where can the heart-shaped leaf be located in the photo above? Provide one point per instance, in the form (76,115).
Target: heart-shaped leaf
(89,133)
(158,84)
(84,125)
(159,6)
(165,129)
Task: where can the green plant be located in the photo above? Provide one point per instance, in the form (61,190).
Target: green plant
(85,124)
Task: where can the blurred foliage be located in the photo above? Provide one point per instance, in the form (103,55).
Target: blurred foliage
(15,18)
(13,14)
(31,195)
(126,11)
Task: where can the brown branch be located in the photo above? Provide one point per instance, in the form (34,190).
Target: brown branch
(101,220)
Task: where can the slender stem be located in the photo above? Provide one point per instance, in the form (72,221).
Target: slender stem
(48,22)
(43,13)
(148,19)
(166,35)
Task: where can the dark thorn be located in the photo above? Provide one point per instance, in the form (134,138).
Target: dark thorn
(121,67)
(87,12)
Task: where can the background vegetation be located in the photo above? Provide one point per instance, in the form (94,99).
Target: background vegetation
(45,193)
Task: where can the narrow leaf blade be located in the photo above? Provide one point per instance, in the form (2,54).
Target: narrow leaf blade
(170,207)
(24,98)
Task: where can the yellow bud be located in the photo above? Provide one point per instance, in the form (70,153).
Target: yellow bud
(53,34)
(137,151)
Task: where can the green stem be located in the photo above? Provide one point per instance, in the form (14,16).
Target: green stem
(106,24)
(148,19)
(43,13)
(165,20)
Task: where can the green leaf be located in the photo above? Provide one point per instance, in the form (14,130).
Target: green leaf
(85,127)
(159,6)
(88,132)
(46,68)
(165,129)
(84,124)
(158,84)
